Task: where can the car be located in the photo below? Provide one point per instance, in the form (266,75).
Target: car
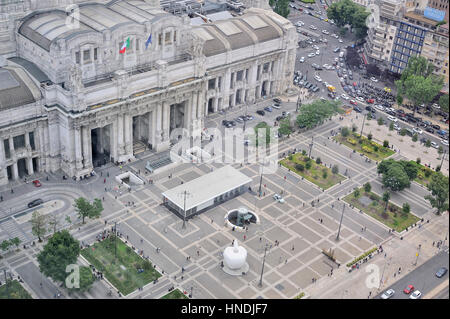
(434,145)
(268,109)
(429,130)
(436,127)
(444,142)
(275,106)
(224,122)
(302,59)
(370,101)
(312,27)
(388,294)
(409,289)
(360,99)
(317,52)
(345,96)
(278,198)
(315,47)
(357,109)
(232,123)
(239,120)
(37,183)
(436,106)
(415,295)
(353,102)
(441,272)
(336,50)
(317,78)
(248,117)
(379,107)
(284,113)
(417,130)
(373,79)
(261,112)
(277,99)
(35,203)
(340,41)
(311,55)
(325,32)
(392,118)
(279,118)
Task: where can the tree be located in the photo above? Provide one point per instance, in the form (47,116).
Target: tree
(315,113)
(369,136)
(403,132)
(443,102)
(282,8)
(345,132)
(299,167)
(421,90)
(335,169)
(384,165)
(38,225)
(386,143)
(386,197)
(428,143)
(354,128)
(86,209)
(271,3)
(356,193)
(439,188)
(86,279)
(15,241)
(285,126)
(324,173)
(415,138)
(406,209)
(418,160)
(308,165)
(380,121)
(318,160)
(391,126)
(345,12)
(367,187)
(411,169)
(440,149)
(53,222)
(395,178)
(5,245)
(60,251)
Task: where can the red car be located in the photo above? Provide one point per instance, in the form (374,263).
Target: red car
(370,101)
(353,102)
(409,289)
(37,183)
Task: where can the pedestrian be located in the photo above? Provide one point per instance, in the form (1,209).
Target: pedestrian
(260,239)
(198,252)
(245,237)
(292,247)
(433,244)
(285,262)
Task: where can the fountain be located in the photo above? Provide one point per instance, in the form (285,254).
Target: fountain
(240,218)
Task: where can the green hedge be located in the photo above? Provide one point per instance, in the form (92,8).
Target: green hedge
(308,1)
(300,296)
(367,253)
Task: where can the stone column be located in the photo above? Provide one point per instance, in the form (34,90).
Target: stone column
(78,150)
(86,147)
(30,165)
(119,130)
(166,121)
(3,174)
(128,134)
(27,140)
(15,171)
(163,117)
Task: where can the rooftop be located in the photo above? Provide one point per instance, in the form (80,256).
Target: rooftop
(207,187)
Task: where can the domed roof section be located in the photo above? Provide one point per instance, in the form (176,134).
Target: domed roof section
(16,88)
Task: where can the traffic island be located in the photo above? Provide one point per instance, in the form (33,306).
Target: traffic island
(120,264)
(13,290)
(374,206)
(175,294)
(311,170)
(363,145)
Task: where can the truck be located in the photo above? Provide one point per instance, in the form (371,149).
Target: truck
(331,88)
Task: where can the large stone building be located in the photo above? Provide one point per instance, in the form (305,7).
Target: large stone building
(69,100)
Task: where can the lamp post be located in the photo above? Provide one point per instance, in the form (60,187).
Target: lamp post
(311,146)
(340,223)
(384,268)
(299,104)
(185,193)
(262,269)
(260,180)
(364,120)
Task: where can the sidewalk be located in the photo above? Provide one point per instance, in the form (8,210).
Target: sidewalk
(372,277)
(402,144)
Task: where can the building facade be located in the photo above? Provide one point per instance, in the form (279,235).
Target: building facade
(71,101)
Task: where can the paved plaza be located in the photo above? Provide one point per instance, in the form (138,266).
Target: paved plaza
(147,225)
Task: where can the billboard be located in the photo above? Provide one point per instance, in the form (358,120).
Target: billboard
(434,14)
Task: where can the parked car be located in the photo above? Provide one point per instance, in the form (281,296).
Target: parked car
(444,142)
(417,130)
(388,294)
(302,59)
(379,107)
(373,79)
(277,100)
(441,272)
(434,145)
(37,183)
(35,203)
(276,106)
(278,198)
(408,289)
(415,295)
(371,101)
(357,109)
(261,112)
(354,102)
(392,118)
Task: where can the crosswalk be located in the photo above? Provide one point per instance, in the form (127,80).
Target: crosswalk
(11,227)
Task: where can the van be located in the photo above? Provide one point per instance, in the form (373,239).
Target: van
(341,55)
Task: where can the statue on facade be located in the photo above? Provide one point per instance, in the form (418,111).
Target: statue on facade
(74,82)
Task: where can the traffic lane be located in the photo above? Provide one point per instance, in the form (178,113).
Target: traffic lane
(423,278)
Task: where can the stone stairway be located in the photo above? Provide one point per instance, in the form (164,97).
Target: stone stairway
(138,147)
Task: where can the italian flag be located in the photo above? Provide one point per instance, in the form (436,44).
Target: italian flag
(125,46)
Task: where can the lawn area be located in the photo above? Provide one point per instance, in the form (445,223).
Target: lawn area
(175,294)
(123,272)
(371,149)
(15,291)
(424,175)
(308,1)
(373,205)
(315,174)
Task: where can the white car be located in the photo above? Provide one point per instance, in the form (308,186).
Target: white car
(315,47)
(444,142)
(378,107)
(434,145)
(325,32)
(373,79)
(345,96)
(302,59)
(278,198)
(388,294)
(415,295)
(317,78)
(417,130)
(325,66)
(336,59)
(397,127)
(340,41)
(312,27)
(311,55)
(436,106)
(276,107)
(393,119)
(317,52)
(390,109)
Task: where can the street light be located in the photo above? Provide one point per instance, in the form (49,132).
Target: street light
(262,269)
(311,146)
(185,193)
(340,223)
